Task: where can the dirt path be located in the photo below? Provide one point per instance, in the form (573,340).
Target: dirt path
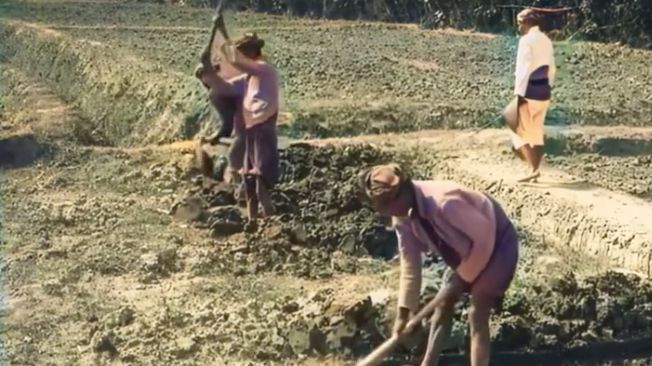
(612,225)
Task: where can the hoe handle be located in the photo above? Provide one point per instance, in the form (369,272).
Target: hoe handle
(218,15)
(377,356)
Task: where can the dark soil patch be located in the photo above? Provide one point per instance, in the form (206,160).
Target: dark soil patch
(20,150)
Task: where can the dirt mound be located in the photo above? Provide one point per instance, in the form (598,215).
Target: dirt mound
(356,120)
(321,231)
(128,103)
(570,312)
(629,174)
(318,214)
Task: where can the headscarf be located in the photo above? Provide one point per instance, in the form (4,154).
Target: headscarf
(530,16)
(381,183)
(249,40)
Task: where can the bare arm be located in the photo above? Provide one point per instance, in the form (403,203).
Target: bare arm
(410,280)
(243,63)
(210,76)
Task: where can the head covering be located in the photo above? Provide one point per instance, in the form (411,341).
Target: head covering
(249,40)
(381,183)
(529,15)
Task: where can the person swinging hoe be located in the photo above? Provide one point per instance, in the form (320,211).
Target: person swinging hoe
(221,82)
(249,101)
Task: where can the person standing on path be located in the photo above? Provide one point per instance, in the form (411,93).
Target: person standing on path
(535,74)
(259,93)
(468,229)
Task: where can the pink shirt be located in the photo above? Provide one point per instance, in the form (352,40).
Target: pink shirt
(461,221)
(259,87)
(256,81)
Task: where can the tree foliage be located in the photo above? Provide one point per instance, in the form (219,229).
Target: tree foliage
(625,21)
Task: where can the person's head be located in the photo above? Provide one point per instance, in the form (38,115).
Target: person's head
(250,45)
(527,19)
(388,189)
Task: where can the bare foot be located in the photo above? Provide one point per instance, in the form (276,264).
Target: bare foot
(251,227)
(533,177)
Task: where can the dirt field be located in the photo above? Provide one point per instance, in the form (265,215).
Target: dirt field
(115,253)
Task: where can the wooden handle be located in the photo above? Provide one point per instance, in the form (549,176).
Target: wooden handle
(377,356)
(222,29)
(226,141)
(219,7)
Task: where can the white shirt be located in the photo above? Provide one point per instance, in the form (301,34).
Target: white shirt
(534,50)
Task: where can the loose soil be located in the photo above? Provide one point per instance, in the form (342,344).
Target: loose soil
(123,255)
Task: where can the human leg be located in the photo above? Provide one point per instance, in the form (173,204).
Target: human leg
(441,324)
(491,285)
(252,200)
(528,135)
(540,109)
(266,162)
(264,197)
(479,314)
(537,157)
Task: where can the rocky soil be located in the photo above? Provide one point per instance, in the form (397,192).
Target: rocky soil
(190,285)
(123,255)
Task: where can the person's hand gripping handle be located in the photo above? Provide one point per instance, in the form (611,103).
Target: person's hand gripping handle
(382,351)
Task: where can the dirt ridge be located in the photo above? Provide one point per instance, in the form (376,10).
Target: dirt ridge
(162,107)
